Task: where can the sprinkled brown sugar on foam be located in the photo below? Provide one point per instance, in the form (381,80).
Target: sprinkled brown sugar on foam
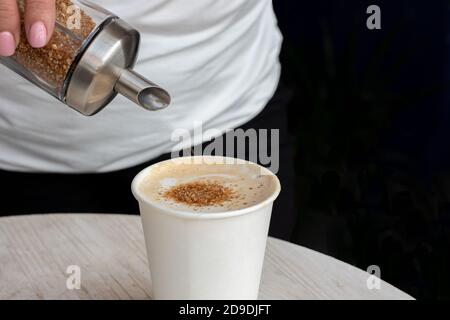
(200,194)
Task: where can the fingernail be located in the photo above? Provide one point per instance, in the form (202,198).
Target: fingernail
(38,35)
(7,44)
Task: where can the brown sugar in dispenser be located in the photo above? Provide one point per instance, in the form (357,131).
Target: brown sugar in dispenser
(88,60)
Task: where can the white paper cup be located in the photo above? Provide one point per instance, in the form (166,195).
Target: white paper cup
(205,256)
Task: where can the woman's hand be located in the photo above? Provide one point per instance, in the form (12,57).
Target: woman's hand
(39,24)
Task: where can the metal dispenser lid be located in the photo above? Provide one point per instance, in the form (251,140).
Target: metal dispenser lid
(105,69)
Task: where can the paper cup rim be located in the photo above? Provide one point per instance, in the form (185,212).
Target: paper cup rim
(205,215)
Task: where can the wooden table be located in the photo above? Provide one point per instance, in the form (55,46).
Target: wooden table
(35,252)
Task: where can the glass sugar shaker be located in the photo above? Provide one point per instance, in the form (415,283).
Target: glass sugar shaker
(88,60)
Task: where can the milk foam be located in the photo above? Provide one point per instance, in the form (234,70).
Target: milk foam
(248,184)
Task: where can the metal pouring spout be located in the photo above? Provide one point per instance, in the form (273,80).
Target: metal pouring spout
(142,91)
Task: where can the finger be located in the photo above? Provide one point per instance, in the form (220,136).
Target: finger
(39,21)
(9,27)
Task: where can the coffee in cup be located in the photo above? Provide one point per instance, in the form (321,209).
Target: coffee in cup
(205,222)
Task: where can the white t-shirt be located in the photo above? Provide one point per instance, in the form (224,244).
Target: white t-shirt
(217,58)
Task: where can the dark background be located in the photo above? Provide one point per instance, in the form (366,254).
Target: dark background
(371,115)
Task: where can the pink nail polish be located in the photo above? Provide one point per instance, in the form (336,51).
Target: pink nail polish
(7,44)
(37,35)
